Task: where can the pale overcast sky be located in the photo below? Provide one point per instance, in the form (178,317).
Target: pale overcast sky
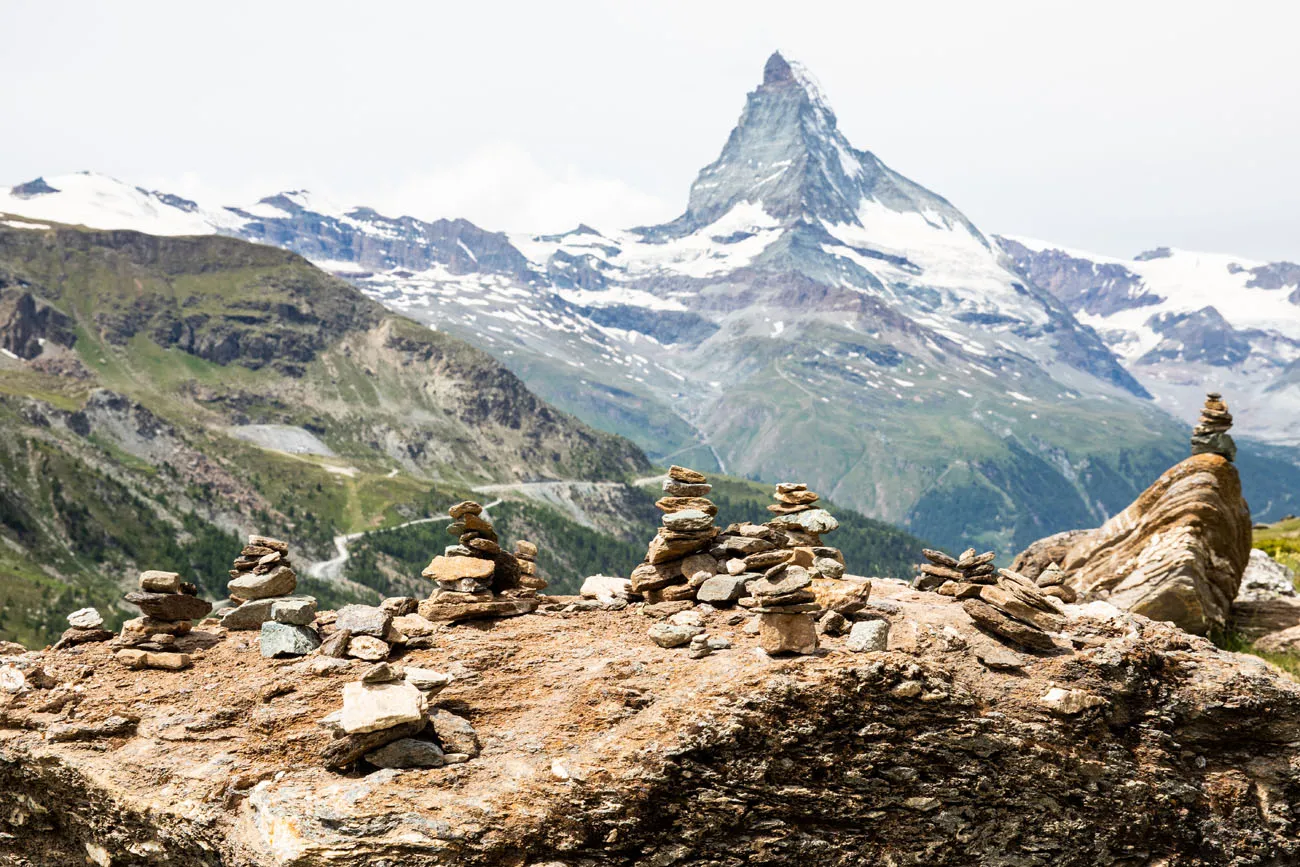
(1111,126)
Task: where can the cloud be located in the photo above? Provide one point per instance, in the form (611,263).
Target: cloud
(502,186)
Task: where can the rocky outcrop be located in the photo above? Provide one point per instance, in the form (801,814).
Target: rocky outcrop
(1177,553)
(1132,743)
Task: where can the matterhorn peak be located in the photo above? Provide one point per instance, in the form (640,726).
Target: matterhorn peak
(777,69)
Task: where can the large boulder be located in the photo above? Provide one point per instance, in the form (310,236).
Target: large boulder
(1176,553)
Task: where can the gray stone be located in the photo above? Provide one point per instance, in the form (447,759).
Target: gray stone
(829,567)
(400,606)
(816,521)
(407,753)
(255,612)
(454,732)
(673,634)
(833,623)
(722,589)
(336,645)
(718,642)
(283,639)
(793,579)
(381,673)
(427,680)
(371,707)
(868,635)
(85,618)
(368,647)
(280,581)
(687,520)
(364,620)
(674,488)
(294,610)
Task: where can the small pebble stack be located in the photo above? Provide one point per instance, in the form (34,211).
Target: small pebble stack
(261,570)
(1052,582)
(84,626)
(386,722)
(168,605)
(1210,435)
(526,554)
(1003,603)
(960,577)
(475,578)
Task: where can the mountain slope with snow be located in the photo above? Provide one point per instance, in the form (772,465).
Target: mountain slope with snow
(811,315)
(1186,322)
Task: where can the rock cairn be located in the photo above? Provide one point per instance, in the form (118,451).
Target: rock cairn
(84,626)
(1052,582)
(1002,603)
(768,569)
(677,563)
(1210,436)
(262,581)
(386,721)
(168,606)
(526,554)
(960,577)
(475,577)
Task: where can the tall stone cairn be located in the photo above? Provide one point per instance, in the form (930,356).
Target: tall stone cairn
(677,562)
(475,577)
(1211,433)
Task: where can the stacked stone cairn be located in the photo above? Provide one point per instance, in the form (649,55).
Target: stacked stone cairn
(1052,582)
(1002,603)
(1210,436)
(262,581)
(475,577)
(677,562)
(169,605)
(84,626)
(526,554)
(766,568)
(387,721)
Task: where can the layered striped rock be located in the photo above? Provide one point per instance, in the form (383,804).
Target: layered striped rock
(1177,553)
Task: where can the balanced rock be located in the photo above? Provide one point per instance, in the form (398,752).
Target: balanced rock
(787,633)
(370,707)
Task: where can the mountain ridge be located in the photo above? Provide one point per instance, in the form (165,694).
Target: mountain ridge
(811,314)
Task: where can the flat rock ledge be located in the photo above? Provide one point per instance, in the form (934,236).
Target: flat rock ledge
(1130,743)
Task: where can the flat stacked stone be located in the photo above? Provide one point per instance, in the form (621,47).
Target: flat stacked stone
(677,562)
(802,523)
(475,577)
(960,576)
(168,605)
(85,625)
(1003,603)
(1015,610)
(262,581)
(1210,436)
(526,555)
(386,722)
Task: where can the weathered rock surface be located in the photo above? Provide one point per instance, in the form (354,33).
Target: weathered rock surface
(1176,553)
(1158,750)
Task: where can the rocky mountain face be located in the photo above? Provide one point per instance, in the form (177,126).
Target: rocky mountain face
(158,394)
(812,314)
(1130,742)
(1186,322)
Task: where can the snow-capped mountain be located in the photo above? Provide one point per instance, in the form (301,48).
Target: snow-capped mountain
(812,316)
(1185,322)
